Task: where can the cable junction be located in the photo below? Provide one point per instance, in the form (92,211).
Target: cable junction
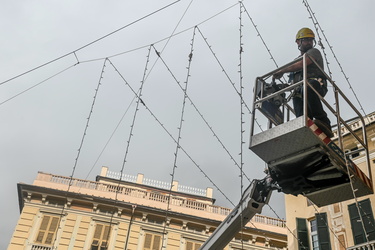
(317,28)
(138,95)
(139,100)
(95,41)
(171,136)
(118,124)
(226,74)
(200,113)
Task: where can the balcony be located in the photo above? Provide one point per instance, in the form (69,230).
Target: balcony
(40,247)
(364,246)
(147,197)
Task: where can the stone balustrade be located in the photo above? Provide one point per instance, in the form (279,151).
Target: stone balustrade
(82,186)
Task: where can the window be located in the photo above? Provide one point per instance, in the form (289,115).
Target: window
(155,220)
(318,234)
(356,223)
(152,242)
(314,235)
(356,154)
(191,245)
(302,234)
(47,230)
(101,237)
(195,228)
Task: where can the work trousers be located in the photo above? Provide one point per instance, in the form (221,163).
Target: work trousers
(314,104)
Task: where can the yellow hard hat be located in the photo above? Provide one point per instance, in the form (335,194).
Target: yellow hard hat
(305,33)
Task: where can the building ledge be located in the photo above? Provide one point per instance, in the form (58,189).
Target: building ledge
(150,198)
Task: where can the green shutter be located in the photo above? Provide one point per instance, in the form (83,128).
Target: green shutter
(357,229)
(323,231)
(368,221)
(303,235)
(368,218)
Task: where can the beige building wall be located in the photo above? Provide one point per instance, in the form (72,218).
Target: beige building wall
(338,219)
(62,213)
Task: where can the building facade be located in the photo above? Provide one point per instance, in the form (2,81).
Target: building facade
(342,225)
(135,213)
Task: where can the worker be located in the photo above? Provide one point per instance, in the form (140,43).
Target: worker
(305,40)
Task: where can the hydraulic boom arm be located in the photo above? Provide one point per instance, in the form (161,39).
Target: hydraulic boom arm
(252,201)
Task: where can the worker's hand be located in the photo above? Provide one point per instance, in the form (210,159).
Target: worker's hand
(277,75)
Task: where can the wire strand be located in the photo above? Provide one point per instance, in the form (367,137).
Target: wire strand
(39,83)
(163,39)
(86,45)
(316,23)
(171,136)
(326,223)
(118,124)
(241,117)
(190,57)
(139,100)
(201,115)
(110,138)
(70,183)
(290,231)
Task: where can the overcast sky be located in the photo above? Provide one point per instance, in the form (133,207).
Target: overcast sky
(42,128)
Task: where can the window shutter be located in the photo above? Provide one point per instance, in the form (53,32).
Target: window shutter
(98,231)
(156,245)
(54,223)
(192,245)
(47,229)
(51,230)
(323,232)
(368,218)
(39,238)
(49,238)
(148,241)
(101,237)
(368,221)
(303,235)
(105,233)
(357,230)
(42,229)
(152,242)
(103,246)
(45,222)
(189,245)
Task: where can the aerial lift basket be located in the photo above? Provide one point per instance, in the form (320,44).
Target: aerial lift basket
(301,158)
